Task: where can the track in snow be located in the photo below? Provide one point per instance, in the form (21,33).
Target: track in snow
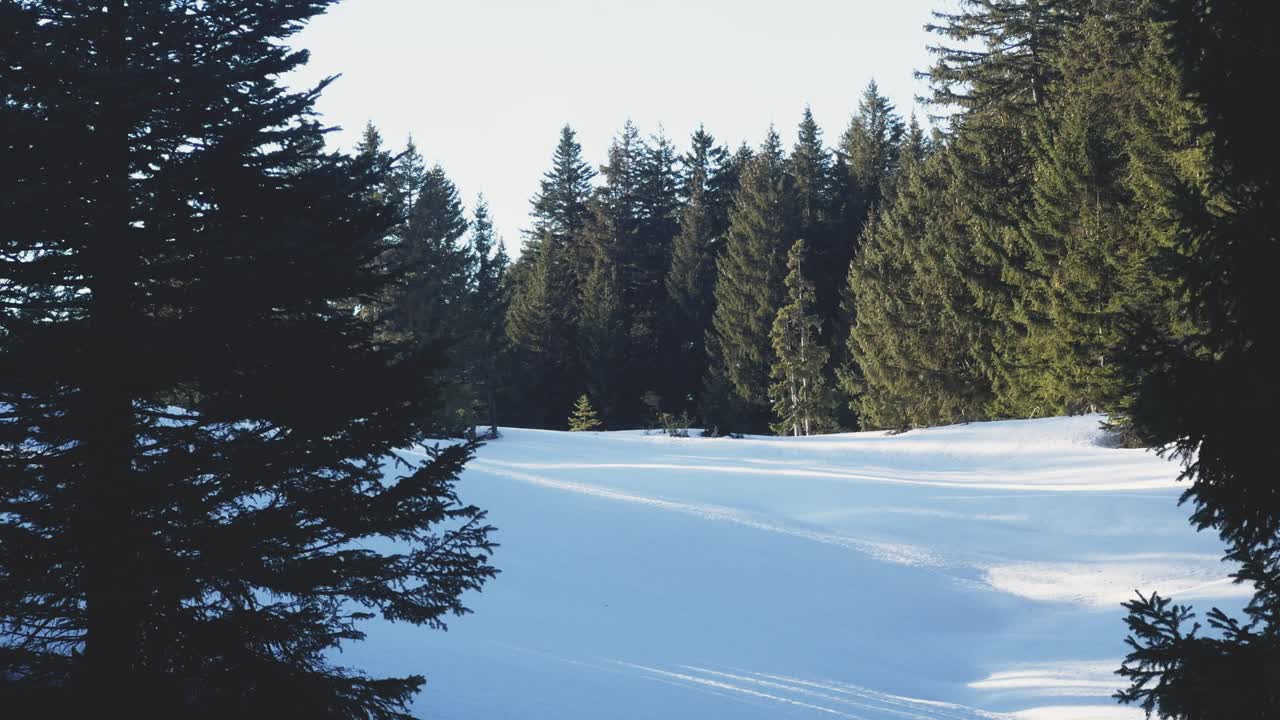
(965,572)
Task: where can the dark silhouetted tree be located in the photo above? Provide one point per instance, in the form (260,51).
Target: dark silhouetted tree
(1212,393)
(194,424)
(690,282)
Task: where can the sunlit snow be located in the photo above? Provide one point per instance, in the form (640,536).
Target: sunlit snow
(972,571)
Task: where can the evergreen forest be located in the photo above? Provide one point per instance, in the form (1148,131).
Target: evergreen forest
(1083,219)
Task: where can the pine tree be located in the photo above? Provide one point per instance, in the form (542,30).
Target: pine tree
(428,303)
(810,166)
(484,349)
(659,203)
(408,178)
(913,361)
(195,424)
(913,150)
(1087,268)
(749,279)
(431,262)
(800,393)
(545,284)
(868,157)
(1212,394)
(560,207)
(584,417)
(602,331)
(615,235)
(863,174)
(541,330)
(999,73)
(619,198)
(1002,62)
(690,282)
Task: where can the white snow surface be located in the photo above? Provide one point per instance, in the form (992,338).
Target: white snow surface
(956,573)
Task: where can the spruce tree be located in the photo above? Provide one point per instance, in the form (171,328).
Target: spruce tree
(584,417)
(690,281)
(1002,59)
(1210,396)
(912,360)
(545,284)
(602,331)
(811,168)
(403,176)
(865,168)
(484,348)
(428,302)
(196,426)
(542,332)
(749,280)
(800,392)
(998,73)
(659,202)
(868,157)
(1087,268)
(616,240)
(431,263)
(560,207)
(408,177)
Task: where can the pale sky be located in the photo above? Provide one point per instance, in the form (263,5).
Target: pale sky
(484,86)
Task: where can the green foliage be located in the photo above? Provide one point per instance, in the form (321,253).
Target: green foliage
(810,168)
(583,418)
(869,152)
(749,281)
(603,334)
(1087,265)
(541,330)
(560,207)
(913,357)
(1001,61)
(482,350)
(544,287)
(635,225)
(690,282)
(800,394)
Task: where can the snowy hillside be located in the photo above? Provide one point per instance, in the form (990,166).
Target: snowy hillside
(963,572)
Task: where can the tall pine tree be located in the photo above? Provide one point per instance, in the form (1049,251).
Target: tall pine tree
(997,73)
(690,281)
(911,357)
(545,287)
(194,425)
(868,158)
(484,348)
(428,303)
(749,283)
(800,392)
(1087,265)
(1212,394)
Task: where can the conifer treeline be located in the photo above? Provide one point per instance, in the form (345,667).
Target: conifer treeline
(655,284)
(987,271)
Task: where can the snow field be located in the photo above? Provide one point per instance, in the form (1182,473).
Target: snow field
(970,571)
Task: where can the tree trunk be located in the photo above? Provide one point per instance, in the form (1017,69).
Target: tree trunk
(107,534)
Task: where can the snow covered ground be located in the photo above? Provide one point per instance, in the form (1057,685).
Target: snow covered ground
(963,572)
